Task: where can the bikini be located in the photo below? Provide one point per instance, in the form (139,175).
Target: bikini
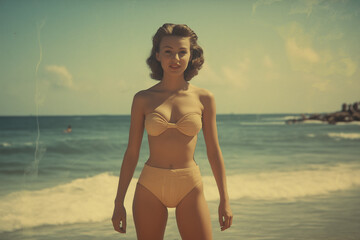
(189,124)
(170,186)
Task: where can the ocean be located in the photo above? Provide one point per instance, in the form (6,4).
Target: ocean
(299,181)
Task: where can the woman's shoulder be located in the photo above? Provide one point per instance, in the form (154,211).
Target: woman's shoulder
(145,93)
(202,92)
(141,100)
(145,97)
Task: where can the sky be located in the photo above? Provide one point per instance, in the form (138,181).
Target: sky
(87,57)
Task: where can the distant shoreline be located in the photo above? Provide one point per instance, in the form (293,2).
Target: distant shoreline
(348,113)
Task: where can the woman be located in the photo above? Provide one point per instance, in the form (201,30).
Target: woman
(173,111)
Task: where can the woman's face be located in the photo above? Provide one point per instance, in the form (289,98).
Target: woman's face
(174,54)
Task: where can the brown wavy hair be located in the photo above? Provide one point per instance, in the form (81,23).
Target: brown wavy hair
(196,52)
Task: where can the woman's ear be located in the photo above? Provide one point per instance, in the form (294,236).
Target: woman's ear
(194,53)
(157,56)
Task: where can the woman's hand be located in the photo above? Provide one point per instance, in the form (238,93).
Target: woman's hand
(225,215)
(119,218)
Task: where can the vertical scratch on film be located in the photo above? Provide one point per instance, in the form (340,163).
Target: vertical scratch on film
(32,170)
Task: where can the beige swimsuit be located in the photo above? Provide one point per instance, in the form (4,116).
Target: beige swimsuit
(170,186)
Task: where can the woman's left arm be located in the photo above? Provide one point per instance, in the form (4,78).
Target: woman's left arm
(215,158)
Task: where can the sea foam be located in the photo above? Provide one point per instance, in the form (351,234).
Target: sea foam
(262,123)
(91,199)
(5,144)
(344,135)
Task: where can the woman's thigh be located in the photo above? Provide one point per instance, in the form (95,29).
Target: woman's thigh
(193,216)
(150,215)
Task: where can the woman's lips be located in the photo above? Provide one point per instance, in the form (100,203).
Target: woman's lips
(174,66)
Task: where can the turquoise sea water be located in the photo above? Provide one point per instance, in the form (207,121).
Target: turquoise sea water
(297,181)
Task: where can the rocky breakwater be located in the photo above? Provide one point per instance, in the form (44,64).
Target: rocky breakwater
(348,113)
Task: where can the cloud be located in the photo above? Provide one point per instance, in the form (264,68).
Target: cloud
(59,77)
(261,3)
(268,62)
(270,70)
(237,76)
(298,45)
(322,86)
(324,61)
(336,35)
(207,74)
(339,65)
(350,66)
(305,53)
(242,74)
(305,7)
(234,76)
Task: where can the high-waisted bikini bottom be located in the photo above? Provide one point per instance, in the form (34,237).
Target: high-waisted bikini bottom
(170,186)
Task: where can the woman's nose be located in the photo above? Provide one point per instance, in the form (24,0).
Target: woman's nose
(176,56)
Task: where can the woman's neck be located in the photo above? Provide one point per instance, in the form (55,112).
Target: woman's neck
(173,84)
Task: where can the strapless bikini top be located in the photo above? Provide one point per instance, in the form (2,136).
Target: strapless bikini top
(189,124)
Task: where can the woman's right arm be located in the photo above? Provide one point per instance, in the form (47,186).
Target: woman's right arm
(130,160)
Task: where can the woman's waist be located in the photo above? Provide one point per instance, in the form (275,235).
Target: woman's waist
(168,162)
(172,144)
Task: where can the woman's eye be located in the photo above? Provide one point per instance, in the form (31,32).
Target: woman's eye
(183,52)
(167,51)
